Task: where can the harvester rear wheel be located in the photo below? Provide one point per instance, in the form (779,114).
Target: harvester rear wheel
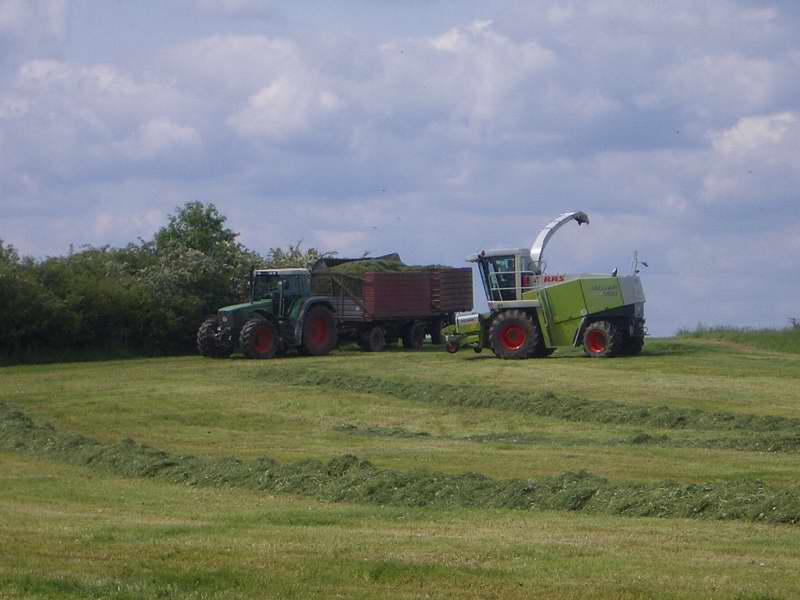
(602,339)
(633,346)
(210,339)
(372,340)
(319,331)
(259,339)
(414,335)
(514,334)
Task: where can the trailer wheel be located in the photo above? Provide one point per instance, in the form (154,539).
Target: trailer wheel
(414,335)
(514,335)
(212,341)
(633,346)
(319,331)
(259,339)
(602,339)
(372,340)
(435,329)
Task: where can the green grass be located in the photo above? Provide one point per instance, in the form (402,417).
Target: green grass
(692,428)
(776,340)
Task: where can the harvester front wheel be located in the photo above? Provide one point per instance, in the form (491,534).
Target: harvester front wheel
(211,339)
(414,335)
(372,340)
(514,334)
(319,331)
(602,339)
(259,339)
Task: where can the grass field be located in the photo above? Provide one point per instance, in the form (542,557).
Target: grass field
(408,475)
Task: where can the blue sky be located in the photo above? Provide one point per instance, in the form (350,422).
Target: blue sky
(434,129)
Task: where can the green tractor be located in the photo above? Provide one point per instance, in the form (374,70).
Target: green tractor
(281,314)
(532,313)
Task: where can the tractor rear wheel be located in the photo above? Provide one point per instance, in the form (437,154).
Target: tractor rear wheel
(414,335)
(211,340)
(373,339)
(259,338)
(515,334)
(319,331)
(602,339)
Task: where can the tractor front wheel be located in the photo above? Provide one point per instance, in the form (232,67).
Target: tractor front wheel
(319,331)
(414,335)
(514,334)
(602,339)
(211,339)
(373,339)
(259,339)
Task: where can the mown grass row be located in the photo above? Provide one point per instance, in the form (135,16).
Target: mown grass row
(349,479)
(542,403)
(749,442)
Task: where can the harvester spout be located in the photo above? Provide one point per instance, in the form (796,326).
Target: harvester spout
(537,250)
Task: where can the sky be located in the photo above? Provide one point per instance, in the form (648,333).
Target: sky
(431,128)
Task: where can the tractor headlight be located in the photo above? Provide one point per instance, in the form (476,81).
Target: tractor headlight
(225,318)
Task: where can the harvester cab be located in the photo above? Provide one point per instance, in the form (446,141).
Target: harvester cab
(531,313)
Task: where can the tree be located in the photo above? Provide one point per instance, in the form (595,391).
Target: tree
(199,227)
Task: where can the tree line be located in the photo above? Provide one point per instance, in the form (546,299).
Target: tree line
(146,298)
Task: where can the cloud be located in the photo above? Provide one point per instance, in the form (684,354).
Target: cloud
(756,161)
(235,8)
(674,124)
(157,137)
(283,109)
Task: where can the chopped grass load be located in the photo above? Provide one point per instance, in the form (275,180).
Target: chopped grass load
(349,479)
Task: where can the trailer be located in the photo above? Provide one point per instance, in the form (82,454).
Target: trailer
(311,310)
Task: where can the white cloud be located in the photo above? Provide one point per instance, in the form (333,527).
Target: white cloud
(756,160)
(234,8)
(283,109)
(235,63)
(156,138)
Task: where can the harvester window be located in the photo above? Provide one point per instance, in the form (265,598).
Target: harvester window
(502,277)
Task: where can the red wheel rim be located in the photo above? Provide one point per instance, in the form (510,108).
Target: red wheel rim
(513,337)
(263,340)
(319,331)
(596,341)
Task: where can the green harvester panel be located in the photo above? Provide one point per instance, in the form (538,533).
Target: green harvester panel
(601,294)
(565,301)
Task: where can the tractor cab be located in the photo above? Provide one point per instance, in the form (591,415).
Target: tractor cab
(282,288)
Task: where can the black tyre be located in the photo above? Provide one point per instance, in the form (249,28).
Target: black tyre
(602,339)
(633,346)
(212,339)
(372,339)
(514,334)
(435,331)
(414,335)
(259,338)
(320,335)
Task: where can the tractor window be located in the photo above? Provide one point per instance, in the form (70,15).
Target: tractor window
(264,286)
